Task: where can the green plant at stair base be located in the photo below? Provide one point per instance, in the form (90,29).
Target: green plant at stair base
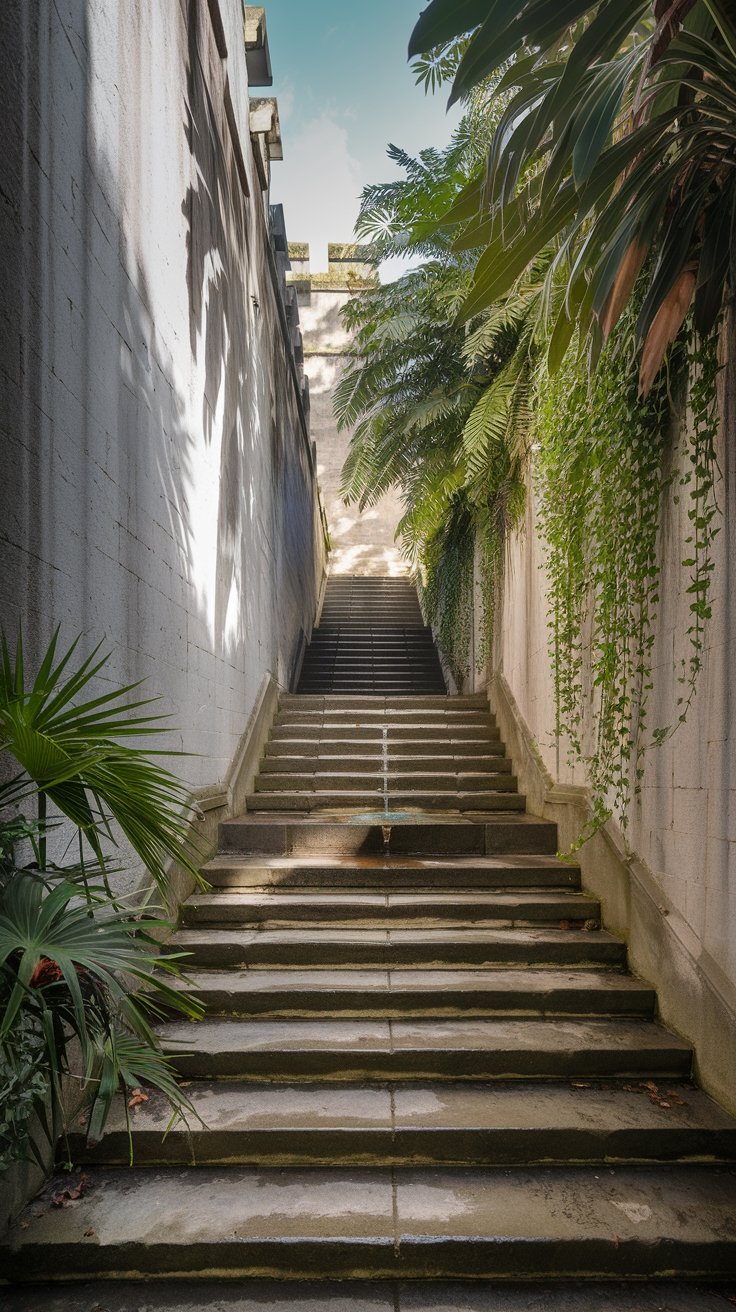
(81,974)
(602,474)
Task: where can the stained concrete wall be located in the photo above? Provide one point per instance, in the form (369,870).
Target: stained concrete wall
(363,542)
(158,488)
(674,892)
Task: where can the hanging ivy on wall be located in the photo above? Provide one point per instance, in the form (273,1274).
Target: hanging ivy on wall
(603,469)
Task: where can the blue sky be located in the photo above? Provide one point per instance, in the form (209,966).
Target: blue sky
(345,90)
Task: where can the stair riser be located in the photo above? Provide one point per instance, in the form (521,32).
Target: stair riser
(409,1147)
(347,1004)
(394,801)
(395,737)
(502,837)
(299,701)
(574,955)
(368,1066)
(306,914)
(405,780)
(297,766)
(403,751)
(381,881)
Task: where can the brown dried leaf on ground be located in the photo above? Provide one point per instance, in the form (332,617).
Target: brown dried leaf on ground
(137,1097)
(72,1193)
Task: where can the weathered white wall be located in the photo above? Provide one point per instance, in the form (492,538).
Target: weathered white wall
(363,542)
(157,487)
(682,829)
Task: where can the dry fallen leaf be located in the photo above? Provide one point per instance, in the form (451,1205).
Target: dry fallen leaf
(89,1233)
(137,1097)
(72,1194)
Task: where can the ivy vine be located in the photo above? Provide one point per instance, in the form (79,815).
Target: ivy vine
(602,472)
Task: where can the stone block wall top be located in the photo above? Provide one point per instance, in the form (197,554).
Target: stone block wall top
(350,268)
(264,122)
(257,53)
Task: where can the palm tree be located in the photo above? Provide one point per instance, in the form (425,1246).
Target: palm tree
(617,143)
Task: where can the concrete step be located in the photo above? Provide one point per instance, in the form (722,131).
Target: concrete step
(399,948)
(403,993)
(332,799)
(252,1295)
(409,835)
(500,1223)
(403,1125)
(331,780)
(456,873)
(369,1050)
(367,905)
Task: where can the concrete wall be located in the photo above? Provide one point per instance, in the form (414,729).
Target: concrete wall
(673,893)
(362,541)
(158,488)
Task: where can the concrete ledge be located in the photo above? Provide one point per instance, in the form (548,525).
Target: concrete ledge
(695,999)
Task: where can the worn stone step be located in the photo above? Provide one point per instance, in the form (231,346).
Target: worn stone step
(450,873)
(290,700)
(395,799)
(401,993)
(452,907)
(500,1223)
(352,733)
(410,835)
(331,780)
(399,948)
(400,1125)
(372,1050)
(252,1295)
(387,719)
(398,766)
(398,750)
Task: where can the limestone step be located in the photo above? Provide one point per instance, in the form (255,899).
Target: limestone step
(399,766)
(398,751)
(402,993)
(395,733)
(370,1050)
(401,1125)
(386,875)
(469,701)
(386,719)
(367,905)
(556,1222)
(395,799)
(332,780)
(410,835)
(252,1295)
(399,948)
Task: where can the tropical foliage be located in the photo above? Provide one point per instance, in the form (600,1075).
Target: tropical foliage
(438,409)
(584,210)
(617,143)
(82,976)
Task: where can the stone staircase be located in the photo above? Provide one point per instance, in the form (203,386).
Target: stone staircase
(371,638)
(426,1081)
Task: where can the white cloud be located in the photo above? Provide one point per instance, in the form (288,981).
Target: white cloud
(319,184)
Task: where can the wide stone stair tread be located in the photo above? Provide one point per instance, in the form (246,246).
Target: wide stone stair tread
(437,1048)
(396,1124)
(420,992)
(459,873)
(333,800)
(396,948)
(450,907)
(414,1222)
(369,1296)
